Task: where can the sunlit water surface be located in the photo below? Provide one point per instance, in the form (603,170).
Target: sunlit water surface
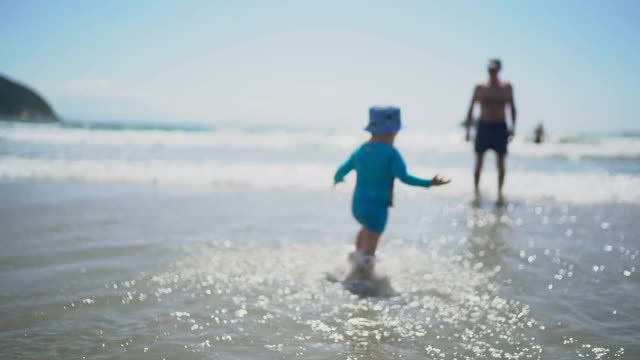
(172,244)
(121,271)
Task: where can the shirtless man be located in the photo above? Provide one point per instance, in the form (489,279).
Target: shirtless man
(492,132)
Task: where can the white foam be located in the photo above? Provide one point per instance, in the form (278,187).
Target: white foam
(602,148)
(418,141)
(179,139)
(583,187)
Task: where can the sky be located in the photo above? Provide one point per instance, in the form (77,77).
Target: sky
(573,64)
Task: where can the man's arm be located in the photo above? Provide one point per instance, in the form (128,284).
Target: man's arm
(512,105)
(469,121)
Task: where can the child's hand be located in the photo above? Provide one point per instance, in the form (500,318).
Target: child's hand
(437,181)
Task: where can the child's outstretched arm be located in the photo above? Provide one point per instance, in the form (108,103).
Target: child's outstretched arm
(399,169)
(343,170)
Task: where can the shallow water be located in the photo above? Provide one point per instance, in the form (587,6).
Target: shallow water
(189,244)
(112,271)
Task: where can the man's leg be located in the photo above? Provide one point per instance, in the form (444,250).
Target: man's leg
(477,172)
(501,172)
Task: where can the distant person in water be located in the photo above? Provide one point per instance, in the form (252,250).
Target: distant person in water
(491,130)
(538,134)
(377,163)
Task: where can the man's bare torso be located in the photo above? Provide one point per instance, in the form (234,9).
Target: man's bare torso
(493,99)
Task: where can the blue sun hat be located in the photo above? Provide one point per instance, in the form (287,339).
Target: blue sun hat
(384,119)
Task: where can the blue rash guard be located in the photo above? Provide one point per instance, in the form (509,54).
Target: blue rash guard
(376,164)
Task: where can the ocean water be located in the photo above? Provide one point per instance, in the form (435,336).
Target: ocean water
(173,242)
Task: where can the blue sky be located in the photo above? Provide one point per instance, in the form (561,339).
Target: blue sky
(574,64)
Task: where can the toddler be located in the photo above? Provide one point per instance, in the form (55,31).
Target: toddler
(377,163)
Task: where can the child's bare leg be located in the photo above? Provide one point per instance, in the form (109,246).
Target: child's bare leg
(366,245)
(369,241)
(360,239)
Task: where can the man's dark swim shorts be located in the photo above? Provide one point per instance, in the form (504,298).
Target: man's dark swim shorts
(491,135)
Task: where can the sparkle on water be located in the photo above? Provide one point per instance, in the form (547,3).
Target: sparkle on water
(468,283)
(221,294)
